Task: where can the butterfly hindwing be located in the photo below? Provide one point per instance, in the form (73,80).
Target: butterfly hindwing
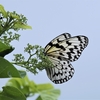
(61,72)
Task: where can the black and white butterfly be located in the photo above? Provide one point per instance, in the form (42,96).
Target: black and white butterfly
(61,51)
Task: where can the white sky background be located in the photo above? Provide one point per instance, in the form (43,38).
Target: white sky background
(50,18)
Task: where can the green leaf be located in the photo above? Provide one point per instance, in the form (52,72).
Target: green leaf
(4,97)
(23,84)
(18,82)
(32,87)
(7,69)
(13,93)
(42,87)
(3,46)
(29,88)
(39,98)
(22,73)
(49,95)
(13,82)
(1,28)
(14,16)
(21,25)
(2,10)
(5,49)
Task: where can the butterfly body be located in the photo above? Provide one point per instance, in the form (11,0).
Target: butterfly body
(61,51)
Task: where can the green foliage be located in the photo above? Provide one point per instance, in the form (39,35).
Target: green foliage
(8,70)
(20,87)
(15,22)
(11,21)
(49,95)
(36,59)
(11,93)
(2,10)
(5,49)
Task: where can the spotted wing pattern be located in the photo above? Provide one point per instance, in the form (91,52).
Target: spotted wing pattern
(61,51)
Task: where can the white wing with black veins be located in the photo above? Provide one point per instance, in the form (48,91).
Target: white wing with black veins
(61,51)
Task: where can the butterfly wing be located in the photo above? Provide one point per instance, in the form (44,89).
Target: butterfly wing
(69,49)
(61,51)
(61,72)
(56,40)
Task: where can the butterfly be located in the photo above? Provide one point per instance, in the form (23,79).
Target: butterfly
(61,51)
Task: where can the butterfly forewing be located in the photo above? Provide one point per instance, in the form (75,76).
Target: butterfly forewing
(56,40)
(70,48)
(61,51)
